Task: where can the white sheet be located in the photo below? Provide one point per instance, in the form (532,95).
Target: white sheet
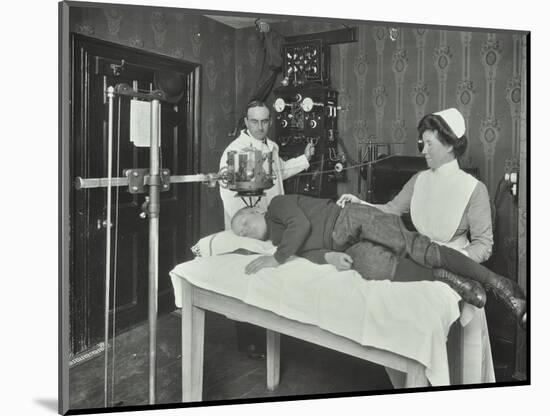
(410,319)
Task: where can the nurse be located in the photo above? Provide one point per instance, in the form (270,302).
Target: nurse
(446,203)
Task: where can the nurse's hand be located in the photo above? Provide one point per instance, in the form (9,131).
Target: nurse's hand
(260,263)
(347,198)
(341,261)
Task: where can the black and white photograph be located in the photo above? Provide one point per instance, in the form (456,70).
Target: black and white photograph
(273,207)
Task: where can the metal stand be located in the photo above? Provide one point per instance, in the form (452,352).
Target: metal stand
(157,181)
(110,94)
(137,180)
(154,212)
(250,203)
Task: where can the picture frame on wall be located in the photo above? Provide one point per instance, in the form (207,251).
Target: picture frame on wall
(156,309)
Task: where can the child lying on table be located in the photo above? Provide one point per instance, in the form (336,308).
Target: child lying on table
(375,244)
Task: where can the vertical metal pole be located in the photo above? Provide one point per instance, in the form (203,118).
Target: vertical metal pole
(110,95)
(154,210)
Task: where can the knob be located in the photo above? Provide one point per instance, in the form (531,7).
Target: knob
(144,208)
(102,224)
(284,123)
(313,124)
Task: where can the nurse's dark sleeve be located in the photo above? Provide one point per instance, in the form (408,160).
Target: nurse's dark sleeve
(478,212)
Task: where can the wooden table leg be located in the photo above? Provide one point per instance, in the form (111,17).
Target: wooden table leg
(273,350)
(416,376)
(197,336)
(192,346)
(398,378)
(455,341)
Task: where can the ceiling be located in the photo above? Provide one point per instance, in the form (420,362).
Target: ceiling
(240,22)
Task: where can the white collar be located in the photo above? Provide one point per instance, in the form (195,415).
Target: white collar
(265,141)
(447,169)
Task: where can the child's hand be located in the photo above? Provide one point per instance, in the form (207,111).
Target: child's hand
(261,262)
(347,198)
(341,261)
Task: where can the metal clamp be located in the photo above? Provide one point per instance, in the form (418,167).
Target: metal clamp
(138,179)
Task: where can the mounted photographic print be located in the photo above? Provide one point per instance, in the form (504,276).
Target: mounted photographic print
(267,207)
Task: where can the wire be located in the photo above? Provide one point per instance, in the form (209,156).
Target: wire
(358,165)
(332,155)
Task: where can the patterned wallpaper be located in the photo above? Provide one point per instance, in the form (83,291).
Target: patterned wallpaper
(385,85)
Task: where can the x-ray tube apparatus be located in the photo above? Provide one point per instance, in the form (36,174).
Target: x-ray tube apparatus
(249,173)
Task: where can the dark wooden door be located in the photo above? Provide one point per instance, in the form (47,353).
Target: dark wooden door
(97,65)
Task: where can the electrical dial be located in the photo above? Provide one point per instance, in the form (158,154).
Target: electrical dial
(279,105)
(307,104)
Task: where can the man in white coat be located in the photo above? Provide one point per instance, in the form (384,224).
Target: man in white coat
(258,120)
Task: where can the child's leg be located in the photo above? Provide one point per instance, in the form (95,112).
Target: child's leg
(469,290)
(458,263)
(506,289)
(410,271)
(373,261)
(365,223)
(362,222)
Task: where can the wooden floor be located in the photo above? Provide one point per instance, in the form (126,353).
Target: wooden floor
(228,374)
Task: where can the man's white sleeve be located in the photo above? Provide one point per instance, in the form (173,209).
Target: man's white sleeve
(293,166)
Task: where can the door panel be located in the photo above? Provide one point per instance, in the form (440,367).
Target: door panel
(93,62)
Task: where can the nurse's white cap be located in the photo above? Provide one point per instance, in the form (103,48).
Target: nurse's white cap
(455,121)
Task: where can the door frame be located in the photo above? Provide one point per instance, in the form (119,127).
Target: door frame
(78,291)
